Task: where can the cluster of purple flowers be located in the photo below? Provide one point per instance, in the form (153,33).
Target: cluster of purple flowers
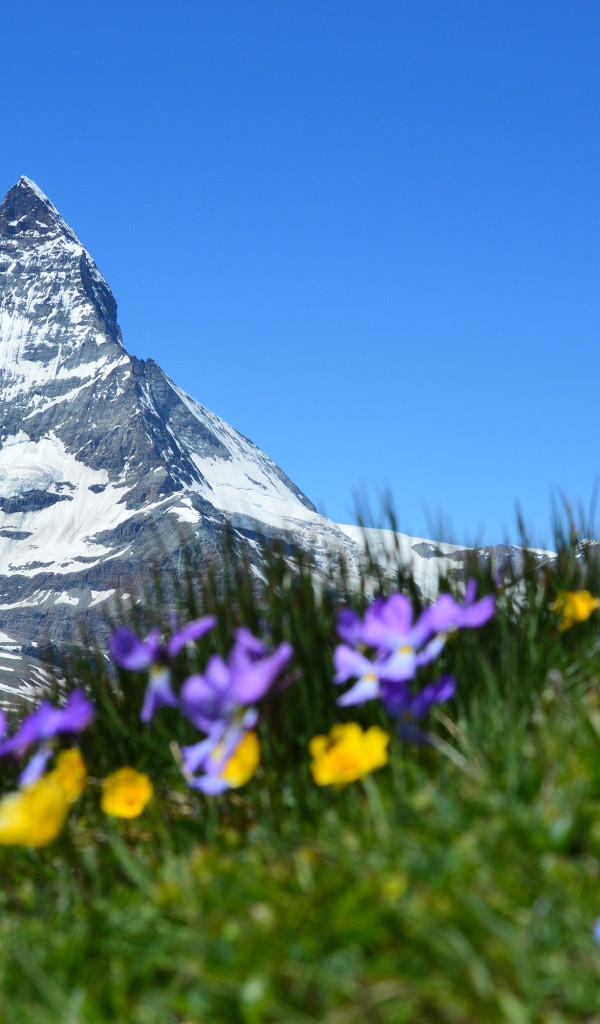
(381,652)
(221,702)
(399,646)
(40,728)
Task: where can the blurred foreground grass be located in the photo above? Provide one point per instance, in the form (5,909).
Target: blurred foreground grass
(460,883)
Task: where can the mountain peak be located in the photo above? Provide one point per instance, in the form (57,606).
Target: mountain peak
(27,212)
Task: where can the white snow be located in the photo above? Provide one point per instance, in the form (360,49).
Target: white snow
(98,596)
(65,531)
(185,513)
(247,486)
(66,598)
(390,549)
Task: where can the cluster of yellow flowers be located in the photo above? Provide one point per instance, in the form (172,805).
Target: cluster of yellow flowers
(36,814)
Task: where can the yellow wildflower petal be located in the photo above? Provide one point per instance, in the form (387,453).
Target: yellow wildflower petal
(317,745)
(70,773)
(348,754)
(244,761)
(125,793)
(375,746)
(33,816)
(574,606)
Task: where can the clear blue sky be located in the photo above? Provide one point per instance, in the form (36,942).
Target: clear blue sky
(365,232)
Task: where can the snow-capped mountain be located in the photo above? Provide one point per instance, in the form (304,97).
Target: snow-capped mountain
(102,456)
(100,452)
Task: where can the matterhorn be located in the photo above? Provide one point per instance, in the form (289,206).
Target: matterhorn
(103,459)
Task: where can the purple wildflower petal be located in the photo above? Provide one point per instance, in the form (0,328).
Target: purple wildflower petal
(350,664)
(399,666)
(3,724)
(203,703)
(349,626)
(365,689)
(29,732)
(445,613)
(395,696)
(253,682)
(218,673)
(47,721)
(39,725)
(195,755)
(210,785)
(76,715)
(193,631)
(445,687)
(221,753)
(432,650)
(422,630)
(132,653)
(250,643)
(398,699)
(36,767)
(158,694)
(387,624)
(246,650)
(480,612)
(435,693)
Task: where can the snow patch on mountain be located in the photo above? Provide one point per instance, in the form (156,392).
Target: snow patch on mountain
(426,560)
(247,484)
(60,535)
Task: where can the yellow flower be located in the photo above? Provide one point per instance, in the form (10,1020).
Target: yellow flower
(125,793)
(35,815)
(574,606)
(347,754)
(243,763)
(70,773)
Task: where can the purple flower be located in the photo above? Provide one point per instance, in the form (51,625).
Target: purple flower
(47,721)
(210,755)
(226,687)
(401,646)
(400,702)
(222,704)
(42,726)
(352,664)
(447,615)
(138,655)
(349,626)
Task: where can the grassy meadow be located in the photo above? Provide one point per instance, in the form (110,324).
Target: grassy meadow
(457,883)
